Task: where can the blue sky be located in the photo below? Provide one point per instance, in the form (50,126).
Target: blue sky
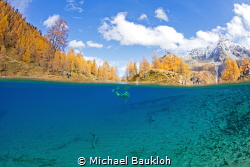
(122,30)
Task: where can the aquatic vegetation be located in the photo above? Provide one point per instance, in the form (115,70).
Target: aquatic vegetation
(138,153)
(238,119)
(22,158)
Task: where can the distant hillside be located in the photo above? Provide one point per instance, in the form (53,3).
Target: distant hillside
(161,76)
(25,52)
(21,41)
(169,69)
(172,78)
(205,77)
(217,53)
(213,57)
(207,65)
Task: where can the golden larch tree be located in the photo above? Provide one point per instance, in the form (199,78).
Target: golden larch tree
(154,61)
(167,63)
(94,67)
(26,56)
(144,67)
(3,27)
(131,70)
(231,72)
(245,66)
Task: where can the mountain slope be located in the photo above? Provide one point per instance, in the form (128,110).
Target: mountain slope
(217,53)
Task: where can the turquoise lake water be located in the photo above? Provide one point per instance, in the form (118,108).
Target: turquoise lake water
(53,124)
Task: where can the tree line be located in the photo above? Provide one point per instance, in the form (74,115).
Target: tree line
(22,42)
(169,63)
(233,71)
(77,63)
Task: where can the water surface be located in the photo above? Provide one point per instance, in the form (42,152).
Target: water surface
(53,124)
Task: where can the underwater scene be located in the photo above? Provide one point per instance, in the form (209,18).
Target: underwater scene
(45,124)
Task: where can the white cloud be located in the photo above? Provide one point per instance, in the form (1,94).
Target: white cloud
(167,38)
(235,27)
(94,45)
(105,18)
(160,14)
(243,11)
(121,71)
(21,5)
(75,44)
(77,17)
(51,20)
(143,17)
(77,51)
(99,61)
(80,44)
(129,33)
(238,29)
(73,6)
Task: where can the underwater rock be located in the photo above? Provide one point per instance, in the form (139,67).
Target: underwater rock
(151,118)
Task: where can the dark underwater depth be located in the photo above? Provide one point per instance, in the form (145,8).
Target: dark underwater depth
(45,124)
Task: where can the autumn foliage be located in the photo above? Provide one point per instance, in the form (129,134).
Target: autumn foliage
(73,62)
(24,43)
(172,63)
(168,63)
(19,40)
(231,72)
(58,34)
(131,70)
(244,68)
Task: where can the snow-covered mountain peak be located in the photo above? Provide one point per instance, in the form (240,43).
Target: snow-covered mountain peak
(217,52)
